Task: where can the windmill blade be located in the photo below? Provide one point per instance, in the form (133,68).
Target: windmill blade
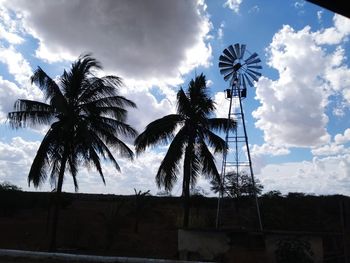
(252,56)
(232,51)
(224,71)
(225,59)
(228,54)
(254,72)
(252,76)
(254,61)
(250,83)
(237,49)
(225,65)
(256,67)
(243,47)
(228,76)
(239,71)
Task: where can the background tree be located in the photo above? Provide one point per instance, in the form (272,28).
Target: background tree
(140,207)
(237,185)
(190,131)
(7,186)
(87,116)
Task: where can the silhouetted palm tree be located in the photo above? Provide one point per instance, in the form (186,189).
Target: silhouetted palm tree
(194,126)
(87,116)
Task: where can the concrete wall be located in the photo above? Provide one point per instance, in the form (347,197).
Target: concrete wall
(237,246)
(221,246)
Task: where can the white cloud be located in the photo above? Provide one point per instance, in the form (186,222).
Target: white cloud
(21,71)
(336,147)
(336,34)
(329,149)
(15,160)
(9,29)
(254,10)
(222,105)
(9,36)
(268,149)
(9,92)
(299,4)
(233,5)
(293,107)
(328,175)
(319,15)
(16,64)
(342,138)
(139,174)
(148,109)
(220,33)
(137,39)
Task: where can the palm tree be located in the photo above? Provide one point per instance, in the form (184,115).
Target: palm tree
(87,117)
(189,132)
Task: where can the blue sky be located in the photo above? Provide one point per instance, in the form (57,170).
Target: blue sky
(297,114)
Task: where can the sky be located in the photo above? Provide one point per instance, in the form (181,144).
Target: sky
(297,114)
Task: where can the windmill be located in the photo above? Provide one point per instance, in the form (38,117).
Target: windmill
(240,68)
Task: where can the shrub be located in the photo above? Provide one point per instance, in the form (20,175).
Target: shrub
(291,250)
(6,186)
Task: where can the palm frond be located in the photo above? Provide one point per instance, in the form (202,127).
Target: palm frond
(214,141)
(158,131)
(37,174)
(88,138)
(116,101)
(168,169)
(55,168)
(199,97)
(96,88)
(116,113)
(96,161)
(49,87)
(184,106)
(195,168)
(30,113)
(73,168)
(85,63)
(113,81)
(208,162)
(102,125)
(222,124)
(118,145)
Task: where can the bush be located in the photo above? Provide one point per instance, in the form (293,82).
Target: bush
(291,250)
(6,186)
(272,194)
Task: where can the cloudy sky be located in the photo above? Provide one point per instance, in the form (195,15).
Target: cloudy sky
(297,114)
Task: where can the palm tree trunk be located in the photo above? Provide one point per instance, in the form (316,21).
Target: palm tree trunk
(186,186)
(186,202)
(57,202)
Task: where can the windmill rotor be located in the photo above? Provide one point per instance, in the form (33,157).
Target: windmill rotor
(237,64)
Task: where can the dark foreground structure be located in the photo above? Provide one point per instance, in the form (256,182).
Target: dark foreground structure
(150,227)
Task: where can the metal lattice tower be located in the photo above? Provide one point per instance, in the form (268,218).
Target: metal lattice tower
(240,68)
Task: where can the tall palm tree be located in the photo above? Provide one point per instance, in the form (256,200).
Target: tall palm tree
(87,117)
(190,131)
